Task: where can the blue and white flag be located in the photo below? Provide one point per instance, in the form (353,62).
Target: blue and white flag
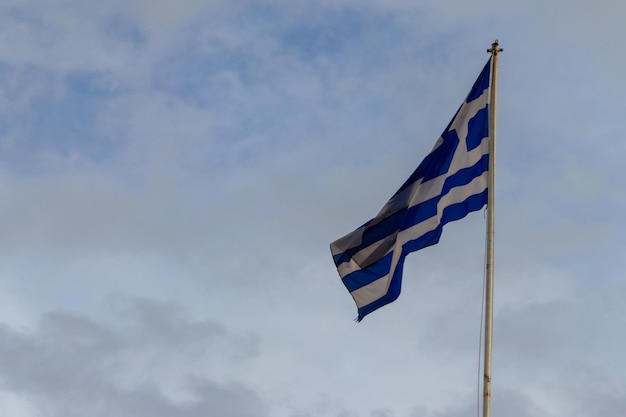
(449,183)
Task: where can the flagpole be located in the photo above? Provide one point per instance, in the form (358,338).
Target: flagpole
(494,50)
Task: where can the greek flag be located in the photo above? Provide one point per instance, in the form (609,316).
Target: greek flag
(449,183)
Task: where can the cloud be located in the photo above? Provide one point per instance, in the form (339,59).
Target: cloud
(152,360)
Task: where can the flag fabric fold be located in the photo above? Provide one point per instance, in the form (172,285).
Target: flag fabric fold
(447,185)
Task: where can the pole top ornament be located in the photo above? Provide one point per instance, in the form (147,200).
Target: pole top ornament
(495,48)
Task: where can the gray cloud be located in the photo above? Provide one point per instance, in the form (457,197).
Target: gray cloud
(152,360)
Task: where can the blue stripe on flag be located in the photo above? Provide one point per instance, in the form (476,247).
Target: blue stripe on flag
(455,171)
(392,293)
(436,163)
(478,128)
(363,277)
(481,83)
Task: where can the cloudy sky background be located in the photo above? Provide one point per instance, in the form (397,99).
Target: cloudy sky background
(171,174)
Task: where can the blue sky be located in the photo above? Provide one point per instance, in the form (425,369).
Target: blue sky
(171,174)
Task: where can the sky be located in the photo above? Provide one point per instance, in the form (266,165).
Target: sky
(172,173)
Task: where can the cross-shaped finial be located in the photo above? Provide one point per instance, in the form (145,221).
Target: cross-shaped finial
(494,48)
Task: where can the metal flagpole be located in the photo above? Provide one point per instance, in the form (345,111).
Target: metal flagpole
(494,50)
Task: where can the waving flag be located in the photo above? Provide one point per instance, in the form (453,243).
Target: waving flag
(449,183)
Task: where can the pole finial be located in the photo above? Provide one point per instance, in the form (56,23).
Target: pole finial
(495,48)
